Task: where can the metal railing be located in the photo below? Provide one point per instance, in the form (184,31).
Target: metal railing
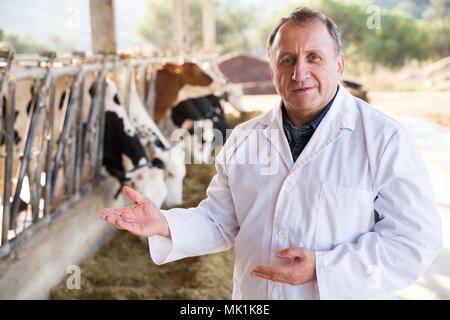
(48,151)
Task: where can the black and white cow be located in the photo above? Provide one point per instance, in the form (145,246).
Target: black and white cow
(121,139)
(205,119)
(172,156)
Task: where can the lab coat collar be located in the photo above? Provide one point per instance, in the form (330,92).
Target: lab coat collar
(342,114)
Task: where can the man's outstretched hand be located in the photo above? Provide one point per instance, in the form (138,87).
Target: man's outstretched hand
(142,219)
(300,269)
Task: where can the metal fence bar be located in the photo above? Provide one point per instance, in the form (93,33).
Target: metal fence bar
(73,129)
(150,99)
(127,88)
(34,173)
(79,138)
(63,138)
(92,114)
(39,73)
(9,120)
(98,150)
(25,161)
(48,169)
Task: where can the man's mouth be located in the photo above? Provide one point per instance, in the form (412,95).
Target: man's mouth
(303,89)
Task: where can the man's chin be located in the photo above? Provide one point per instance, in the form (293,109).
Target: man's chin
(302,101)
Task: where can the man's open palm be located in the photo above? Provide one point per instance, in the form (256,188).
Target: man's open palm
(142,219)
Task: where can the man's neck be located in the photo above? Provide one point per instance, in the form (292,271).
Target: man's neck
(301,118)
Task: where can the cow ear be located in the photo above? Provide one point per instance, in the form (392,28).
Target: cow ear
(116,99)
(29,106)
(92,89)
(172,68)
(16,137)
(61,100)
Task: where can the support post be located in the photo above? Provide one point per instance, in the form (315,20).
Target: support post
(180,26)
(208,26)
(103,31)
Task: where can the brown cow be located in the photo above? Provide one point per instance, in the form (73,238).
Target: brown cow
(170,80)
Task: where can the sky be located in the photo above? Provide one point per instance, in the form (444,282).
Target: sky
(68,21)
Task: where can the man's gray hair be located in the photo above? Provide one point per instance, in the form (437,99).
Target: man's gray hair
(303,15)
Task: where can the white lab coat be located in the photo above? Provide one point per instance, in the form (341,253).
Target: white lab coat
(358,195)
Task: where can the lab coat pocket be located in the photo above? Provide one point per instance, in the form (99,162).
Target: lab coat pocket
(344,214)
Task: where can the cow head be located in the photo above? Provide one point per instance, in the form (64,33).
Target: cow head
(149,180)
(199,142)
(189,73)
(193,75)
(233,95)
(111,91)
(175,171)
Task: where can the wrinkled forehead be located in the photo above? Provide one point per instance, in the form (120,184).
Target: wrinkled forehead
(308,36)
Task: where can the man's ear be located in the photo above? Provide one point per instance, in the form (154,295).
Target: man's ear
(271,71)
(340,65)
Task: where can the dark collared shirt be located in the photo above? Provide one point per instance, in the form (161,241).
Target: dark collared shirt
(299,137)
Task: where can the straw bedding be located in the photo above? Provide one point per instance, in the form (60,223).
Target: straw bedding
(123,269)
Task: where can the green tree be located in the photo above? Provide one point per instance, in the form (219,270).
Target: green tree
(24,43)
(400,37)
(156,26)
(411,8)
(233,30)
(437,18)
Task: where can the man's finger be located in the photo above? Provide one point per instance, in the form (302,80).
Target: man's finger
(113,220)
(289,253)
(261,275)
(134,195)
(105,212)
(278,273)
(108,213)
(130,214)
(130,226)
(270,271)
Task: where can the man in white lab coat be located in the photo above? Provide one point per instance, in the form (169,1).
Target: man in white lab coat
(323,197)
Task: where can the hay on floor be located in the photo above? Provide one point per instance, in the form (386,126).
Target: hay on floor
(123,269)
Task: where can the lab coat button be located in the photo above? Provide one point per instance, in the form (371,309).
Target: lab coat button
(282,234)
(277,290)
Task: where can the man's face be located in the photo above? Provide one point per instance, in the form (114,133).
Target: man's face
(305,66)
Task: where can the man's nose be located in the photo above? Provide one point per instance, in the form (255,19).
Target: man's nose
(301,71)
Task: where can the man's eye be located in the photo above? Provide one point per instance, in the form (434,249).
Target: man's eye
(287,61)
(315,57)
